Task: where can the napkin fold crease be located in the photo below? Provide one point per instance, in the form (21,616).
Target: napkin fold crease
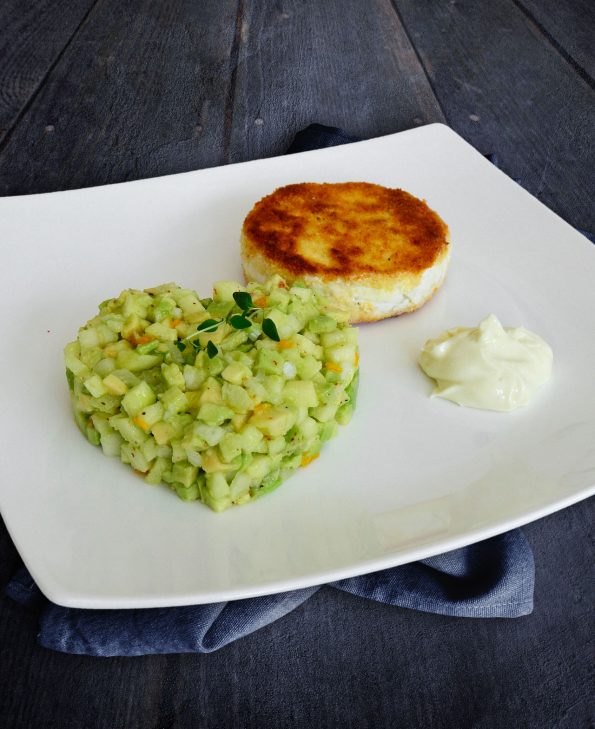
(490,579)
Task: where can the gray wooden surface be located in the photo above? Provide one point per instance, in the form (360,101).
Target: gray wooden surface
(99,91)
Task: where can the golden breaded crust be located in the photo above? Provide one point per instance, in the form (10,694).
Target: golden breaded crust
(348,230)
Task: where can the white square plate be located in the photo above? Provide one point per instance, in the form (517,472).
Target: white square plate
(408,478)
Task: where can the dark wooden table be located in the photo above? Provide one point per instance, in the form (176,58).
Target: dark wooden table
(99,91)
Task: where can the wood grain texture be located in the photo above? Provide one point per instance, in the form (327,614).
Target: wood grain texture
(346,64)
(570,26)
(140,92)
(148,87)
(506,89)
(32,37)
(340,661)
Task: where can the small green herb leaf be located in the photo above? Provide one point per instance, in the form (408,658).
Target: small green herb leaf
(181,346)
(269,328)
(243,300)
(240,322)
(209,325)
(212,350)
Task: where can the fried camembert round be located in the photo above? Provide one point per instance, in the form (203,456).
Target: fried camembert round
(375,251)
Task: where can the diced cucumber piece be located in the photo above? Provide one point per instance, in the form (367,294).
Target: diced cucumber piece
(187,493)
(173,375)
(344,413)
(174,401)
(213,414)
(128,430)
(138,398)
(322,324)
(251,437)
(95,386)
(184,473)
(212,434)
(240,485)
(104,366)
(111,443)
(155,475)
(134,362)
(236,398)
(129,453)
(324,413)
(230,446)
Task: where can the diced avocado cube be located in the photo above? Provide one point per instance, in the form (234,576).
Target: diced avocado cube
(189,303)
(115,385)
(211,392)
(224,290)
(273,421)
(236,373)
(162,331)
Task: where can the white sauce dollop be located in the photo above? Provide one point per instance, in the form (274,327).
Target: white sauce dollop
(490,366)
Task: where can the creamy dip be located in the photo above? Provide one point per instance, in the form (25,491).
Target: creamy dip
(490,366)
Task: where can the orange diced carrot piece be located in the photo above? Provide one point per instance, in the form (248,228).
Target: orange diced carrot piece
(141,423)
(261,407)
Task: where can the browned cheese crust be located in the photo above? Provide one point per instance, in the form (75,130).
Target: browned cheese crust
(349,230)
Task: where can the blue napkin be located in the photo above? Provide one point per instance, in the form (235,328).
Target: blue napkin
(491,579)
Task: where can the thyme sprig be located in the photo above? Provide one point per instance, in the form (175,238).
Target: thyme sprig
(238,321)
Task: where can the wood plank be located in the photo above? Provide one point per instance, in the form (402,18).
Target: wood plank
(346,64)
(33,36)
(140,91)
(340,661)
(570,25)
(507,91)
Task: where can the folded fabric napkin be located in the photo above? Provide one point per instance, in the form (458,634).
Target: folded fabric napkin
(491,579)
